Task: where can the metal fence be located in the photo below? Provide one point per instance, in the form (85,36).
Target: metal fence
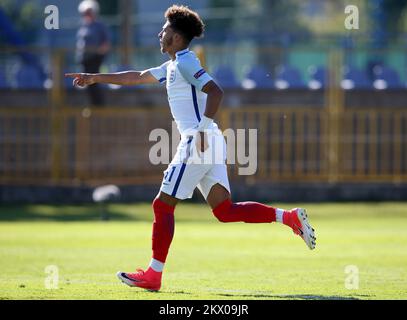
(59,145)
(70,146)
(306,145)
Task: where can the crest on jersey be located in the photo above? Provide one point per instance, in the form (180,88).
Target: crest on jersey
(172,75)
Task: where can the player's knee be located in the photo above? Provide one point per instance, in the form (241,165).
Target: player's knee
(160,207)
(221,217)
(155,204)
(222,211)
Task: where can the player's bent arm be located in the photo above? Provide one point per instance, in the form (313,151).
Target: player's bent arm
(214,98)
(120,78)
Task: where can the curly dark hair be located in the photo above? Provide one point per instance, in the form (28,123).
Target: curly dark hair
(185,21)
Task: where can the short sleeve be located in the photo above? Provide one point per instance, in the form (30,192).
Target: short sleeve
(160,73)
(192,71)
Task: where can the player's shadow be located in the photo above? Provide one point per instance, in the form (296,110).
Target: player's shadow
(289,296)
(277,296)
(274,296)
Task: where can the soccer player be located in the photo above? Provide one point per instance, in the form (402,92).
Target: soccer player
(194,98)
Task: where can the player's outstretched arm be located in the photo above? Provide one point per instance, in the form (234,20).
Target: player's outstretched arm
(120,78)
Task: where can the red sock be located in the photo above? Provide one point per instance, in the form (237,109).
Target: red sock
(290,219)
(163,229)
(250,212)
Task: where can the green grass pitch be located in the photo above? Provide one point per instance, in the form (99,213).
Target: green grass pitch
(208,259)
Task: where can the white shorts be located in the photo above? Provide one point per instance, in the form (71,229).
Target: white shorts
(190,169)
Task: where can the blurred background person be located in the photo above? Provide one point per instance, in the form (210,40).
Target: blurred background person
(93,44)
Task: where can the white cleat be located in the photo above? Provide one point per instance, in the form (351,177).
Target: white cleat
(302,227)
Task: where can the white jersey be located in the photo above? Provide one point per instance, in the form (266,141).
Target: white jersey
(184,78)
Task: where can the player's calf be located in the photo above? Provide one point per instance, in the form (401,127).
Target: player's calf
(249,212)
(254,212)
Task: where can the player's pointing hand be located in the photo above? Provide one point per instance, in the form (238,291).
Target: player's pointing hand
(81,79)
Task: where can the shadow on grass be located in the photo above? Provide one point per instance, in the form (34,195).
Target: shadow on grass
(290,297)
(266,296)
(13,213)
(279,296)
(94,212)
